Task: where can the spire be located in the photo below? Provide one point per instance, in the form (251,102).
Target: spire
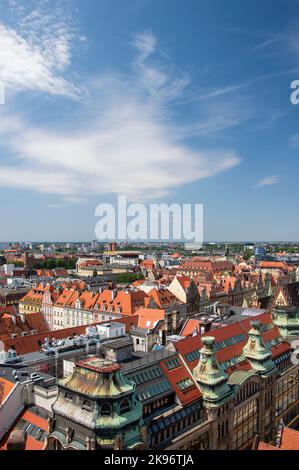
(285,310)
(211,377)
(256,352)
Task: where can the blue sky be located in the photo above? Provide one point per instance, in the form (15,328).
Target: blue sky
(161,101)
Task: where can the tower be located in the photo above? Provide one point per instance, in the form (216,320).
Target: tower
(255,351)
(28,260)
(285,311)
(210,376)
(96,408)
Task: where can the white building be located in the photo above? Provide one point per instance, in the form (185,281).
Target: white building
(111,330)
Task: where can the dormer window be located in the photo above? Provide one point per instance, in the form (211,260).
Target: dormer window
(87,405)
(106,409)
(124,406)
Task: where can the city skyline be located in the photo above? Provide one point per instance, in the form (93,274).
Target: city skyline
(159,102)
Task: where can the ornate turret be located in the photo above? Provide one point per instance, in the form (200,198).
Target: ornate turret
(211,377)
(256,352)
(285,311)
(268,285)
(255,300)
(100,407)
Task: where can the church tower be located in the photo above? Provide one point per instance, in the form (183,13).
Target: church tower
(285,311)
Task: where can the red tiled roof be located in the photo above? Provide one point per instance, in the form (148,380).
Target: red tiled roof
(264,446)
(31,343)
(31,443)
(64,297)
(10,323)
(184,281)
(178,375)
(193,343)
(192,325)
(5,388)
(212,266)
(273,265)
(126,301)
(163,298)
(129,322)
(147,263)
(148,317)
(289,440)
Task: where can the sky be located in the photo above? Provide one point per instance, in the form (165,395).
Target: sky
(184,101)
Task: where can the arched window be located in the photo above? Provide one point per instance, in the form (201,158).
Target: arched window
(124,406)
(106,409)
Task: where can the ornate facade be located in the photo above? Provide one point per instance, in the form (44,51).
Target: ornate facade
(286,310)
(96,408)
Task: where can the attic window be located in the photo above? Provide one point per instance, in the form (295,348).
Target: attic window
(68,396)
(106,409)
(86,405)
(124,406)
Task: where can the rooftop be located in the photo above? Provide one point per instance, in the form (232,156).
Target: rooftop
(99,365)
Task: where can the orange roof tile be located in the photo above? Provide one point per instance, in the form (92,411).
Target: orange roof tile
(5,388)
(163,298)
(289,439)
(149,317)
(192,326)
(273,265)
(31,443)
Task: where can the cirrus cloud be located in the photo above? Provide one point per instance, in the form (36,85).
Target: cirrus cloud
(122,141)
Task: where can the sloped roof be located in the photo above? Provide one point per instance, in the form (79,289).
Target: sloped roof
(36,433)
(180,379)
(229,343)
(163,298)
(127,300)
(192,325)
(6,387)
(149,317)
(289,440)
(10,323)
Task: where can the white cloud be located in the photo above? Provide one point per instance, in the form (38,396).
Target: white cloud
(294,141)
(268,181)
(161,81)
(36,51)
(125,141)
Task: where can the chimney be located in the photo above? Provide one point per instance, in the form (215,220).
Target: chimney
(17,440)
(113,294)
(175,320)
(168,323)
